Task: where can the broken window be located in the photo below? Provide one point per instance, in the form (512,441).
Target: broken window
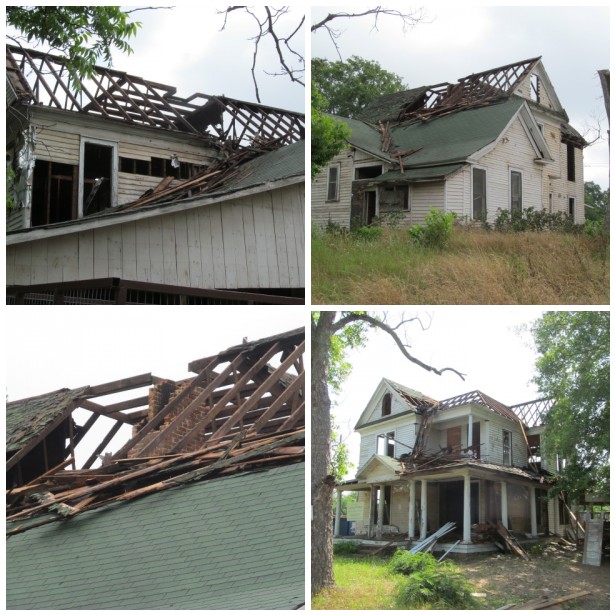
(516,191)
(386,404)
(386,444)
(571,207)
(333,183)
(98,171)
(570,160)
(393,198)
(479,194)
(54,197)
(506,447)
(368,172)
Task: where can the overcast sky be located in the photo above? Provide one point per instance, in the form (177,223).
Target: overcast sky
(484,343)
(455,40)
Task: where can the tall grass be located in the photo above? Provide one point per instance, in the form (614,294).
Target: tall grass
(477,267)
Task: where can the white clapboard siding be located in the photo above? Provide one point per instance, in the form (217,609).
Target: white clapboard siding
(336,212)
(426,196)
(57,145)
(250,242)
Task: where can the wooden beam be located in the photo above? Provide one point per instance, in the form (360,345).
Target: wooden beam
(92,458)
(128,404)
(297,414)
(125,384)
(92,406)
(249,404)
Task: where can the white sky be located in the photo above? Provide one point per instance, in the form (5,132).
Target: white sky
(482,342)
(455,40)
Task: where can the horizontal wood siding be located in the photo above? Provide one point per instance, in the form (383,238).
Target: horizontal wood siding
(252,242)
(458,193)
(336,212)
(57,145)
(423,197)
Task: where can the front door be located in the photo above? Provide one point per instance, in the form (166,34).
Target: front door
(370,206)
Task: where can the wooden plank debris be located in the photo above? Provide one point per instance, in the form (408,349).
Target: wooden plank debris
(428,543)
(544,602)
(511,542)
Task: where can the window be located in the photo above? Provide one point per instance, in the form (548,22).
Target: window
(368,172)
(393,198)
(386,444)
(479,194)
(535,87)
(570,161)
(571,207)
(507,447)
(333,183)
(386,404)
(516,191)
(54,198)
(97,176)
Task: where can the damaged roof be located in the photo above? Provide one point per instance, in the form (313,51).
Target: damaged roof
(227,543)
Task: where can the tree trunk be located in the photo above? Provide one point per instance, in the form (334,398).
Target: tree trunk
(322,482)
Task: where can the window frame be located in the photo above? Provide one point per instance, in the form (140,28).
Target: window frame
(114,169)
(517,173)
(483,170)
(570,162)
(337,166)
(507,457)
(388,443)
(572,207)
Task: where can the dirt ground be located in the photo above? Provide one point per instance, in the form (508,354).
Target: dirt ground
(508,579)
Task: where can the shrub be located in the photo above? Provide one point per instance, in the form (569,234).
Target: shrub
(391,219)
(335,230)
(345,548)
(404,562)
(437,230)
(531,219)
(369,233)
(593,228)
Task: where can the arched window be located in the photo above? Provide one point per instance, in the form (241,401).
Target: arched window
(386,404)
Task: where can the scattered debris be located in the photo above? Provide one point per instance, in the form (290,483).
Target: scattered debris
(428,543)
(511,541)
(544,602)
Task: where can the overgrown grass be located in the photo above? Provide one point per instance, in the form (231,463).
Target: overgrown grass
(477,267)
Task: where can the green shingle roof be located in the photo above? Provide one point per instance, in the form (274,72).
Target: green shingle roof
(443,140)
(228,543)
(26,418)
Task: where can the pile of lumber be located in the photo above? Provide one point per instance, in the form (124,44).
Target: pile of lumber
(64,493)
(428,543)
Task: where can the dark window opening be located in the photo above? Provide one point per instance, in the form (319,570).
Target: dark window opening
(369,206)
(367,172)
(571,160)
(386,404)
(159,167)
(333,183)
(386,444)
(479,194)
(97,177)
(571,207)
(54,195)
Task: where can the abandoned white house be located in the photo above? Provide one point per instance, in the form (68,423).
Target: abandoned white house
(469,459)
(499,139)
(124,191)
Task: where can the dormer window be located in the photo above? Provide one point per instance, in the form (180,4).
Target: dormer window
(386,404)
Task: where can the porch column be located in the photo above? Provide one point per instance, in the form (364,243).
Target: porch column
(423,528)
(380,510)
(504,503)
(370,520)
(533,521)
(469,431)
(338,513)
(467,518)
(411,509)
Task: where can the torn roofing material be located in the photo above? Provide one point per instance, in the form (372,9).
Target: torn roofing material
(235,542)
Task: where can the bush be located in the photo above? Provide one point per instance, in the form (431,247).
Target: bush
(531,219)
(390,219)
(369,233)
(404,562)
(345,548)
(437,230)
(335,230)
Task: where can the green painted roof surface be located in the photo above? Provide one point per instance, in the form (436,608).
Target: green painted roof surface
(227,543)
(442,140)
(26,418)
(283,163)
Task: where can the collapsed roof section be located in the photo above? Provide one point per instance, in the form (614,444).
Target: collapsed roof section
(38,78)
(244,408)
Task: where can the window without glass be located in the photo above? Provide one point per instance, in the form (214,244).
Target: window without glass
(97,177)
(479,194)
(516,191)
(535,87)
(333,182)
(368,172)
(507,447)
(54,196)
(386,404)
(570,159)
(393,198)
(571,207)
(386,444)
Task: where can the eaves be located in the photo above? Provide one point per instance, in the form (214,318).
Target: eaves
(151,211)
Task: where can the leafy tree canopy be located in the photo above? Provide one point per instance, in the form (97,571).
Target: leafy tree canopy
(328,135)
(348,86)
(82,33)
(597,202)
(573,369)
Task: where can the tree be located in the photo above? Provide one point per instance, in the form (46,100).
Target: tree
(573,369)
(332,333)
(82,33)
(596,202)
(348,86)
(328,135)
